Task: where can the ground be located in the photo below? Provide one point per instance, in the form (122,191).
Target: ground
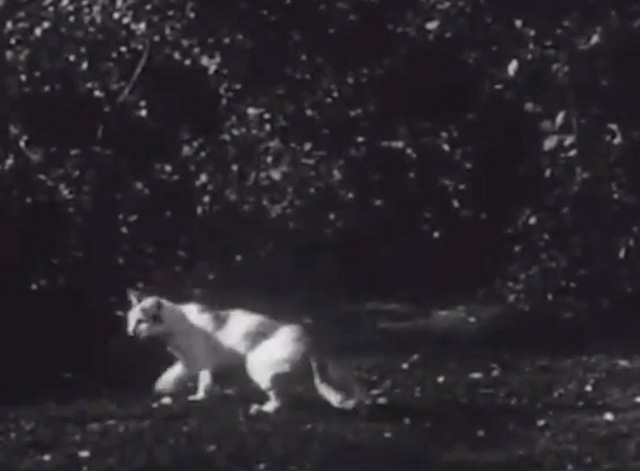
(447,398)
(464,410)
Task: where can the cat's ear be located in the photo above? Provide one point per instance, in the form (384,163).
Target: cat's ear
(134,296)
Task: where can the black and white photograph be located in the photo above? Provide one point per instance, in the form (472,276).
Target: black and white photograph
(313,235)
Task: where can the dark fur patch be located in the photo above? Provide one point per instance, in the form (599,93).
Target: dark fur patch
(220,317)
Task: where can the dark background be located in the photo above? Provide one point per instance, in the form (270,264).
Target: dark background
(307,153)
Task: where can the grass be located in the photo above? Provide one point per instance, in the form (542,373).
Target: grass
(472,409)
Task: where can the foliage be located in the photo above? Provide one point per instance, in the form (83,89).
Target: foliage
(419,147)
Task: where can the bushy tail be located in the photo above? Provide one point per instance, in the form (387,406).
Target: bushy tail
(337,385)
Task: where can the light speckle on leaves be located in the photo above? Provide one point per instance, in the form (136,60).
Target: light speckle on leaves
(623,363)
(550,142)
(164,401)
(616,135)
(432,25)
(560,119)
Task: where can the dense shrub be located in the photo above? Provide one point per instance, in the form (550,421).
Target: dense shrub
(417,149)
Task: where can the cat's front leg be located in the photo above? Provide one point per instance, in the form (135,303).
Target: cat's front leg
(205,383)
(172,380)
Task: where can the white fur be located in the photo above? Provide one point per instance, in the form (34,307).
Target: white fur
(278,357)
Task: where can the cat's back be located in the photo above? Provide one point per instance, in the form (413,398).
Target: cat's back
(243,330)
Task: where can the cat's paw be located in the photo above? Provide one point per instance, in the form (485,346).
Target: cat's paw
(197,397)
(163,401)
(268,407)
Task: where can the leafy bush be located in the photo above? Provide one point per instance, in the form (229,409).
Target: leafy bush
(420,148)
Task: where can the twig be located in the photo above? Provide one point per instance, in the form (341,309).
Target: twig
(136,73)
(134,77)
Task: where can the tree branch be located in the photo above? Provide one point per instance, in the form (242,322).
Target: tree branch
(134,77)
(136,73)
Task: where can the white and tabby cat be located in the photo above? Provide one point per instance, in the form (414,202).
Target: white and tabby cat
(279,357)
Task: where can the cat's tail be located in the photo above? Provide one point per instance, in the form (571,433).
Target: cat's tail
(337,384)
